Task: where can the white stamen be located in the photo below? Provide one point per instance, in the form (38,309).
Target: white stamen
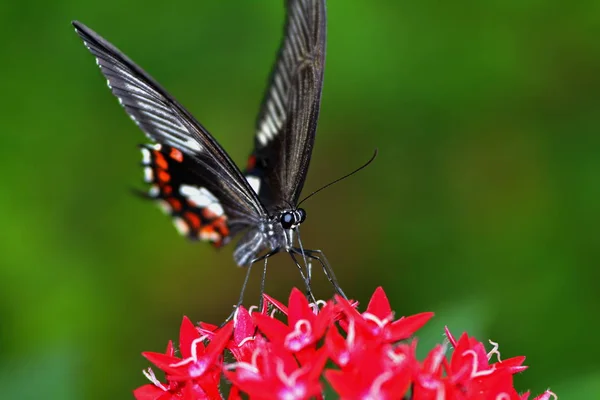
(474,372)
(494,351)
(149,374)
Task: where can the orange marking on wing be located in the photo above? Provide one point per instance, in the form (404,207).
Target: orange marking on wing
(167,190)
(209,233)
(207,229)
(163,176)
(193,219)
(176,155)
(160,161)
(175,204)
(221,225)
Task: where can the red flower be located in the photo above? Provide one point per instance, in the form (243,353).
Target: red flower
(469,373)
(285,359)
(196,374)
(274,373)
(377,372)
(306,324)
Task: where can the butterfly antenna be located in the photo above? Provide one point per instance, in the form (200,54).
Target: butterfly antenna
(340,179)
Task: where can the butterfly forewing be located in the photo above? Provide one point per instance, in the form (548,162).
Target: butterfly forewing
(206,166)
(287,120)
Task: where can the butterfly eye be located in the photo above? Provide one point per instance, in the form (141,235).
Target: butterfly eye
(287,220)
(302,215)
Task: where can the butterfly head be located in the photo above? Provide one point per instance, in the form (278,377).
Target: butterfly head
(290,219)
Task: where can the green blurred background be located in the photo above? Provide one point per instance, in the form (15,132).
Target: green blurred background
(483,206)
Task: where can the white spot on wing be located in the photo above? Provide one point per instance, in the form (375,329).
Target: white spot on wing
(148,174)
(271,124)
(145,156)
(182,226)
(193,145)
(254,183)
(273,114)
(216,208)
(154,191)
(209,235)
(166,207)
(201,197)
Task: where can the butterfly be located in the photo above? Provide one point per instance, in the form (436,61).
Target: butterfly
(192,177)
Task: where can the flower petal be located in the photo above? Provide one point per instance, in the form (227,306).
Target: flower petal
(407,326)
(276,303)
(379,305)
(187,334)
(272,328)
(148,392)
(162,361)
(243,325)
(298,307)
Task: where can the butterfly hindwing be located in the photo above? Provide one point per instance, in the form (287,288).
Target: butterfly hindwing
(286,125)
(196,212)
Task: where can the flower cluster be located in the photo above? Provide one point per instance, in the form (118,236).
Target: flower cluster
(367,355)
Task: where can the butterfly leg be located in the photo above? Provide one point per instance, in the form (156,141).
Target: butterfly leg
(309,294)
(320,257)
(262,286)
(264,257)
(241,299)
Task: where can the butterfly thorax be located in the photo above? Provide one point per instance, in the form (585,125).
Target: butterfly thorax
(273,233)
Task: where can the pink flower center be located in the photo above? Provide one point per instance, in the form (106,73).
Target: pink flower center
(293,389)
(198,368)
(344,358)
(293,393)
(300,337)
(379,324)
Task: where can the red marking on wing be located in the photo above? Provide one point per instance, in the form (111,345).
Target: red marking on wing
(175,204)
(176,154)
(193,219)
(251,163)
(220,225)
(163,176)
(160,161)
(167,190)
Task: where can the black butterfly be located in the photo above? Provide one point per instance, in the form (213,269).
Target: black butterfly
(196,181)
